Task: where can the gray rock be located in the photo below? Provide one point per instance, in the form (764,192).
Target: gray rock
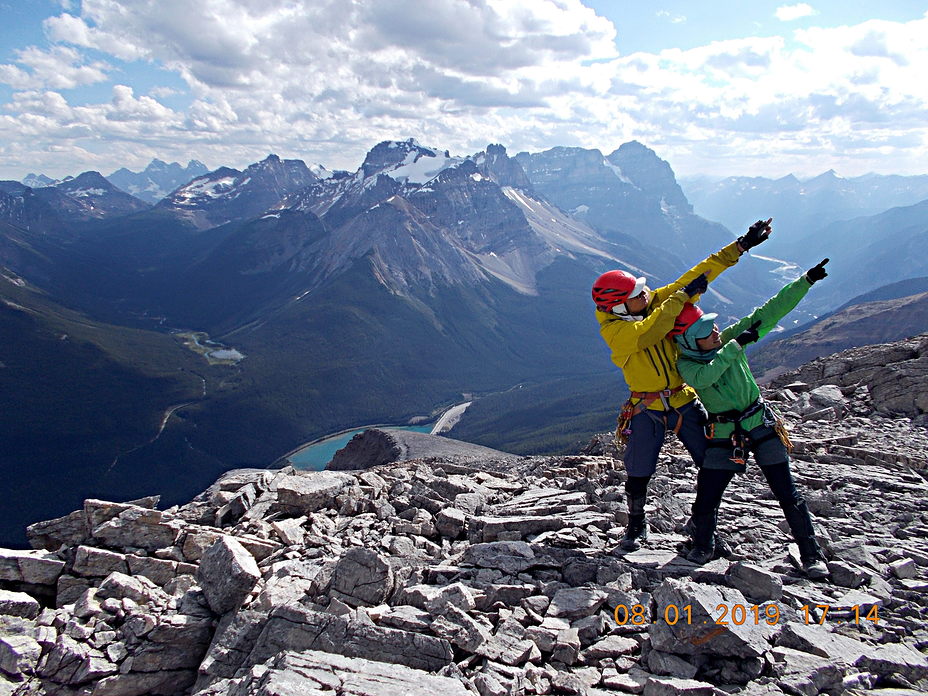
(312,672)
(512,528)
(576,602)
(436,598)
(817,640)
(611,646)
(631,682)
(19,655)
(566,646)
(301,494)
(450,522)
(138,589)
(69,589)
(70,530)
(160,571)
(362,578)
(889,660)
(290,531)
(828,396)
(298,628)
(133,527)
(98,563)
(32,567)
(509,645)
(756,583)
(460,629)
(847,574)
(703,635)
(233,641)
(18,604)
(227,574)
(166,683)
(670,665)
(64,660)
(904,569)
(802,673)
(507,556)
(671,686)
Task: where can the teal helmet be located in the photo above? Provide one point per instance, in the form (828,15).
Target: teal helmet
(692,324)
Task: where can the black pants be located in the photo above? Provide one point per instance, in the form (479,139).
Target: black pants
(711,485)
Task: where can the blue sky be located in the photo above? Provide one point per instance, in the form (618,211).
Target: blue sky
(715,88)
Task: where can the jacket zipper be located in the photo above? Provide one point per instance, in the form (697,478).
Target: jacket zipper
(653,364)
(665,361)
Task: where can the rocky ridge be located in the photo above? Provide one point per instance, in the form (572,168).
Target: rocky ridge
(435,577)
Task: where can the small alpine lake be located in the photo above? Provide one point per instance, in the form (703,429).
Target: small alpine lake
(316,455)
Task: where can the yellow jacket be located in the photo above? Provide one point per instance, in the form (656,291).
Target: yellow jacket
(641,349)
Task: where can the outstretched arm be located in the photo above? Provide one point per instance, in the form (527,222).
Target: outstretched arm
(725,258)
(772,310)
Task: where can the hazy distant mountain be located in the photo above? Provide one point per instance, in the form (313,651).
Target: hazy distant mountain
(38,181)
(800,207)
(157,180)
(867,253)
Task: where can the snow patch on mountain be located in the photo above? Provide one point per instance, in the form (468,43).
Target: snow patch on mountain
(563,233)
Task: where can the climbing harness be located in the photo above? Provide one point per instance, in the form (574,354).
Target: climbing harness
(629,410)
(740,442)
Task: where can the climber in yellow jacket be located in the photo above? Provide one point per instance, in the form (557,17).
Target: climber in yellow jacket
(634,322)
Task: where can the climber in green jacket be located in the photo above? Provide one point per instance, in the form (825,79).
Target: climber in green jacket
(740,422)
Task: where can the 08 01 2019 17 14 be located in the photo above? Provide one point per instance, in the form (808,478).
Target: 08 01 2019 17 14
(739,614)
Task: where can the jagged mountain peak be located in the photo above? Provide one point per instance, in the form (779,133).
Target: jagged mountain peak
(651,174)
(405,161)
(38,180)
(497,165)
(98,196)
(88,178)
(228,194)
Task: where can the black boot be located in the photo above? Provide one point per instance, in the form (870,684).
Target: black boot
(703,526)
(800,524)
(637,531)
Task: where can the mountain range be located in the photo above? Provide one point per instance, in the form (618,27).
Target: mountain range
(800,207)
(355,297)
(157,180)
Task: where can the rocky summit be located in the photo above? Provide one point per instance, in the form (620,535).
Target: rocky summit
(500,576)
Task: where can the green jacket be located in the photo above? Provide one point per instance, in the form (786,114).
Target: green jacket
(725,382)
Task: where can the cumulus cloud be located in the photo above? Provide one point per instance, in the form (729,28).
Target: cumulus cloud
(324,80)
(59,68)
(788,13)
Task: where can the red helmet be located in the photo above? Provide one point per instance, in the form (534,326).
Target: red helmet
(685,319)
(614,288)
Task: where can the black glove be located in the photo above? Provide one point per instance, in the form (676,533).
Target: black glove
(697,285)
(757,233)
(749,335)
(816,273)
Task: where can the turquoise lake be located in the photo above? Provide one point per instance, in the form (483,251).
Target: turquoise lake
(314,457)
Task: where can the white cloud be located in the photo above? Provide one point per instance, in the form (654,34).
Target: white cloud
(789,13)
(60,68)
(325,80)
